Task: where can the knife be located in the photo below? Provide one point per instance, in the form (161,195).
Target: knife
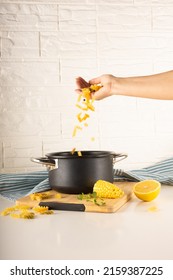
(63,206)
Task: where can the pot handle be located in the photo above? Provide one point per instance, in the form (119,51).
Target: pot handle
(120,156)
(46,162)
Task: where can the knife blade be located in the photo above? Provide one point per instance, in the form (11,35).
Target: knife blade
(54,205)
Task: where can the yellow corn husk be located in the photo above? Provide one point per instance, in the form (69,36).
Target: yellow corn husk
(106,189)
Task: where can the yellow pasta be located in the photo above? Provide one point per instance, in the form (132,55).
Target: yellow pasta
(82,108)
(86,105)
(95,87)
(73,151)
(42,210)
(25,211)
(75,130)
(58,195)
(7,211)
(15,215)
(82,118)
(79,153)
(90,107)
(22,207)
(25,214)
(39,196)
(48,212)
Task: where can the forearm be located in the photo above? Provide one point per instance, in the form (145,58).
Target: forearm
(159,86)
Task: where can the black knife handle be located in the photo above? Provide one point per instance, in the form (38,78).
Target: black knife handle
(63,206)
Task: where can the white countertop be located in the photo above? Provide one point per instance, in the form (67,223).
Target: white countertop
(131,233)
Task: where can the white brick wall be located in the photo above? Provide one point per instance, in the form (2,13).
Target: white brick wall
(45,44)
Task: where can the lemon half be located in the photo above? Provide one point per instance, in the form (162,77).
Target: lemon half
(147,190)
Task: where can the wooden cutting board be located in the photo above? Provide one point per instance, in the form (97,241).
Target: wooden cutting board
(112,205)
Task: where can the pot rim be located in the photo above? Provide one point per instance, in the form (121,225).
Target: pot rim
(51,159)
(85,154)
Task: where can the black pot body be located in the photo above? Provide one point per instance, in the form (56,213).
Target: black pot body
(76,174)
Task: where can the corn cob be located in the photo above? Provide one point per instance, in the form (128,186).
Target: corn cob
(106,189)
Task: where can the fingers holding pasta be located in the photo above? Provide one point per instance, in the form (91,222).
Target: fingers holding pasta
(81,83)
(106,83)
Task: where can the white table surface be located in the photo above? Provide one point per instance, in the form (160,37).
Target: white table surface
(131,233)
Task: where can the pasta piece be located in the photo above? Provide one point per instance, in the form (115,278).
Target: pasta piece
(86,93)
(82,108)
(79,153)
(73,151)
(42,210)
(82,118)
(39,196)
(86,105)
(48,212)
(79,98)
(58,195)
(90,107)
(75,130)
(95,87)
(22,207)
(15,215)
(23,215)
(24,211)
(7,211)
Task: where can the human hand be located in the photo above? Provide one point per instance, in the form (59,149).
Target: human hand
(106,81)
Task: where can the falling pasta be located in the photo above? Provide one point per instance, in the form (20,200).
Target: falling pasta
(84,103)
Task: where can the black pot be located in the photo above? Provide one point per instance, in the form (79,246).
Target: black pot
(73,174)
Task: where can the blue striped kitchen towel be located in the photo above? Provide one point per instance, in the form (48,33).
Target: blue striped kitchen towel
(15,186)
(161,171)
